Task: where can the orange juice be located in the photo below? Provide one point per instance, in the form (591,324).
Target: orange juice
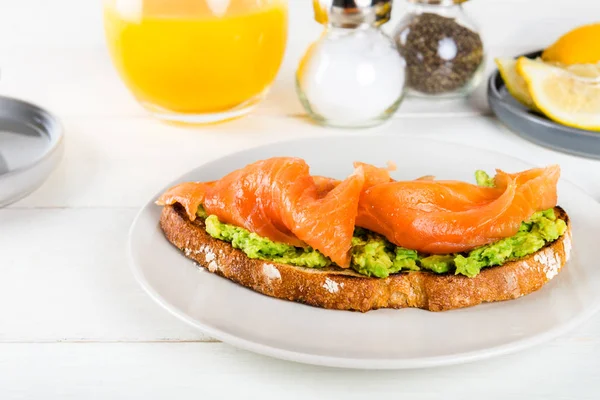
(196,56)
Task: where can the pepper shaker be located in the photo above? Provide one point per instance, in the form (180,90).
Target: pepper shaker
(353,75)
(442,48)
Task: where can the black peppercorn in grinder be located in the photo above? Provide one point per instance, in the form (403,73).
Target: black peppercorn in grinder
(442,47)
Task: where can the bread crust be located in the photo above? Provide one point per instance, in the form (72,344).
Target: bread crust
(343,289)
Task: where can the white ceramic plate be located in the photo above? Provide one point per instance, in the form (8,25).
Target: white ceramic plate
(378,339)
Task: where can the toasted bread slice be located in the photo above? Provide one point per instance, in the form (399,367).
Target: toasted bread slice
(344,289)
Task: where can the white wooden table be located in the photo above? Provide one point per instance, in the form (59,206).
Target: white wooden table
(74,324)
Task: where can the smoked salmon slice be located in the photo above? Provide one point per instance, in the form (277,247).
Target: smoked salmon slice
(441,217)
(189,194)
(278,199)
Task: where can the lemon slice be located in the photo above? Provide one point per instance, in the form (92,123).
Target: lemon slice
(515,84)
(585,70)
(563,96)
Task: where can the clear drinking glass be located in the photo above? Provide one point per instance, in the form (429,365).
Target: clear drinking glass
(197,61)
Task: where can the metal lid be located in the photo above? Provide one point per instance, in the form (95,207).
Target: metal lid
(30,148)
(352,13)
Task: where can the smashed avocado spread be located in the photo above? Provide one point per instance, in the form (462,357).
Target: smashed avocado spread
(374,255)
(258,247)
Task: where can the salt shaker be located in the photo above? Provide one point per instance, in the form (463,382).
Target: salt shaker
(353,75)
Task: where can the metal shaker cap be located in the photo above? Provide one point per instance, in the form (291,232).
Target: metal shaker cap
(352,13)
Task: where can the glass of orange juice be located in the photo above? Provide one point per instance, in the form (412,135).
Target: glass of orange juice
(197,61)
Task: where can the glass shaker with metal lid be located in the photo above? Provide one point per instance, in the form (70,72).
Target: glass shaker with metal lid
(353,75)
(442,48)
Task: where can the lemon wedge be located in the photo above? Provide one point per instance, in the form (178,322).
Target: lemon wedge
(562,95)
(515,84)
(585,70)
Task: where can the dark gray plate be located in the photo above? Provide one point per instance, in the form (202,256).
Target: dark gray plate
(536,127)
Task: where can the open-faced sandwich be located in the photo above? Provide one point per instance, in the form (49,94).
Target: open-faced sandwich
(369,241)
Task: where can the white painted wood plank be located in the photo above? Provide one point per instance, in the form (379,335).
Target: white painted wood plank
(217,371)
(123,162)
(56,23)
(78,23)
(83,83)
(62,64)
(65,277)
